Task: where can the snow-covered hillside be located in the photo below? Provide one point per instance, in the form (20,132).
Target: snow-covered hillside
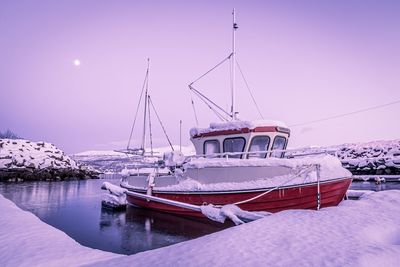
(112,161)
(27,160)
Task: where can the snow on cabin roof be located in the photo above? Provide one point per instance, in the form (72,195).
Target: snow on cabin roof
(235,125)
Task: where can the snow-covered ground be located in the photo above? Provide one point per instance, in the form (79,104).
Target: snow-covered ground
(364,232)
(27,241)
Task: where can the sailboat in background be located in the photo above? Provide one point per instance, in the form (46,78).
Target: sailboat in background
(141,154)
(241,163)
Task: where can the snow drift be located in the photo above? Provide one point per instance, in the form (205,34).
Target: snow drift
(365,232)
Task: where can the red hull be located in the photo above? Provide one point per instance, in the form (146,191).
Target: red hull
(290,197)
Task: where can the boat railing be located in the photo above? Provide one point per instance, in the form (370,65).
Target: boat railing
(286,153)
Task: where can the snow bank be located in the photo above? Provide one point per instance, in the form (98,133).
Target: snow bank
(235,125)
(27,241)
(365,232)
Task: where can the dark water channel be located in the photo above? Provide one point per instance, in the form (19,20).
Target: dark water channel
(360,185)
(75,208)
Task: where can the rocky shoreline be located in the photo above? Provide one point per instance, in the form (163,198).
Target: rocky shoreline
(369,158)
(24,160)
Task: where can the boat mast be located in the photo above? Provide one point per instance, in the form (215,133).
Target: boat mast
(145,106)
(233,64)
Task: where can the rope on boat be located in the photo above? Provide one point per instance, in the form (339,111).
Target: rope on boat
(301,172)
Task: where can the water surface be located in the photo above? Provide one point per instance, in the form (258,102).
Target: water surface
(75,208)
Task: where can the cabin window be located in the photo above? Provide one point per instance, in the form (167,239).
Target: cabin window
(279,144)
(211,147)
(259,143)
(234,145)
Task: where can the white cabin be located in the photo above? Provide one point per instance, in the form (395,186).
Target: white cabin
(241,137)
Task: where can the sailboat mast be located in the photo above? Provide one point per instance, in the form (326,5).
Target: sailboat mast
(233,64)
(145,105)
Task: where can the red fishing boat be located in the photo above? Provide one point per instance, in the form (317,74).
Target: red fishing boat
(241,163)
(245,166)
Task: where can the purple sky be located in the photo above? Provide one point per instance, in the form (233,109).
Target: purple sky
(304,60)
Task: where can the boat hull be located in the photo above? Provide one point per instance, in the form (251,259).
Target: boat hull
(302,196)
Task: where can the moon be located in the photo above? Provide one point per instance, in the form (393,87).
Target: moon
(77,62)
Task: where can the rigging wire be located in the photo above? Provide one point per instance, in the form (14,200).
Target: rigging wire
(346,114)
(200,96)
(216,66)
(162,126)
(193,106)
(207,100)
(137,109)
(211,105)
(231,82)
(248,89)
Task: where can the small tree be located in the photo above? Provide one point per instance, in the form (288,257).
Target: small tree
(9,135)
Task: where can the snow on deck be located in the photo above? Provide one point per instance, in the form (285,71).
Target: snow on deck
(365,232)
(304,171)
(235,125)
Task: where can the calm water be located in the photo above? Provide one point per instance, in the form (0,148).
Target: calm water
(75,208)
(359,185)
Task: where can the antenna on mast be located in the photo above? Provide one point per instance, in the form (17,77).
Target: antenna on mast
(233,64)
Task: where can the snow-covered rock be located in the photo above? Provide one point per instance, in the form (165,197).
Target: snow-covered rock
(27,160)
(377,157)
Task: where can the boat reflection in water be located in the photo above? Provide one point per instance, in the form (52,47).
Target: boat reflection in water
(141,230)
